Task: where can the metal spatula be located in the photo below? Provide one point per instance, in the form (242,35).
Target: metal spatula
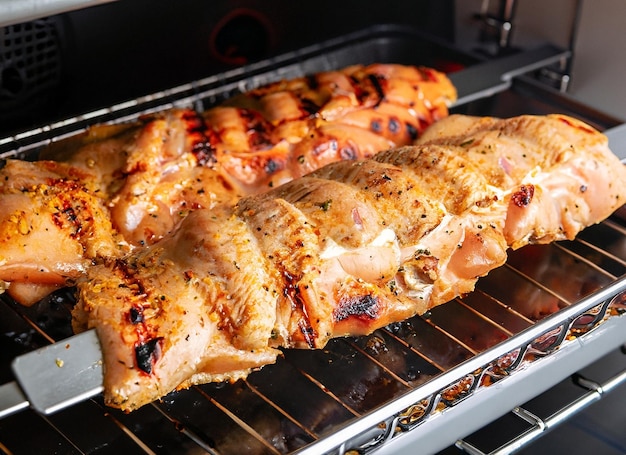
(54,377)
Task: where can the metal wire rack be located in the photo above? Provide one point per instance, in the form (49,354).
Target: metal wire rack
(548,305)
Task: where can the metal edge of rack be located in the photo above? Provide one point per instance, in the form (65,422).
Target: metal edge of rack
(18,11)
(12,399)
(539,427)
(431,433)
(493,402)
(475,82)
(617,140)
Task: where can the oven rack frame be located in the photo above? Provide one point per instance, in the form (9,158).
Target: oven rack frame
(569,350)
(479,79)
(539,426)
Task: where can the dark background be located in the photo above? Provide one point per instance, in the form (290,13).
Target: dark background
(76,62)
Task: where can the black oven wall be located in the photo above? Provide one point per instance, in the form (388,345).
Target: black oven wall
(61,66)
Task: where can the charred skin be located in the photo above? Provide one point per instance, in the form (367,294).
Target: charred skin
(284,130)
(342,251)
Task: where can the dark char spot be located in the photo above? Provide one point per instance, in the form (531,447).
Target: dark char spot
(147,353)
(361,306)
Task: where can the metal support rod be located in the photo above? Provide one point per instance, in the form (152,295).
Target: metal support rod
(539,426)
(18,11)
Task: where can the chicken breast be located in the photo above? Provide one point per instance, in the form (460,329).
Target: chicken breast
(560,176)
(347,249)
(156,170)
(53,226)
(150,173)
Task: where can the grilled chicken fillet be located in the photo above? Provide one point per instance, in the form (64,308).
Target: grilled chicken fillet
(558,171)
(150,173)
(342,251)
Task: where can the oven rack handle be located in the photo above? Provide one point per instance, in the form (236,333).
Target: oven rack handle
(539,427)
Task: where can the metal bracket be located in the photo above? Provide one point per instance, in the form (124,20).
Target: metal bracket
(486,79)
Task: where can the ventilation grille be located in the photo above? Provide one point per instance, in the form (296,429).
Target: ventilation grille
(30,67)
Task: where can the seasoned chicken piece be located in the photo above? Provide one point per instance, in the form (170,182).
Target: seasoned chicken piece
(53,225)
(281,131)
(152,172)
(170,322)
(160,167)
(100,152)
(342,251)
(557,172)
(155,170)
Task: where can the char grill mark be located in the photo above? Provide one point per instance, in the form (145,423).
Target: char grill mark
(290,243)
(427,74)
(293,294)
(147,347)
(309,107)
(413,132)
(135,314)
(128,273)
(377,83)
(70,214)
(202,138)
(257,129)
(348,152)
(363,307)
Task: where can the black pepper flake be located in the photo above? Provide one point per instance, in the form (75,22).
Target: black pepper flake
(325,205)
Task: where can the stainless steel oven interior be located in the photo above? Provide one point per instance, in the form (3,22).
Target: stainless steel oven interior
(504,353)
